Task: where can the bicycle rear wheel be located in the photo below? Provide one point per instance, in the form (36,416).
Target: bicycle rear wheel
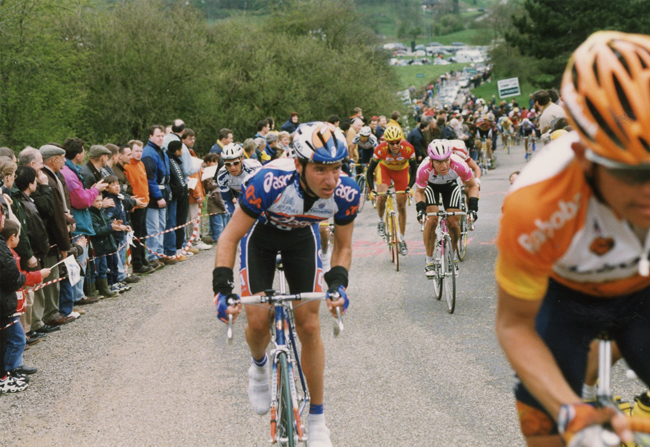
(388,235)
(285,424)
(393,220)
(449,272)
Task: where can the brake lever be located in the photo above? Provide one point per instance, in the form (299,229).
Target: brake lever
(229,330)
(338,323)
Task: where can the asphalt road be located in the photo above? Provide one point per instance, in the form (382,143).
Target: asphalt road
(152,368)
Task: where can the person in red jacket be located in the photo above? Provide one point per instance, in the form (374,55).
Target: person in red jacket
(12,336)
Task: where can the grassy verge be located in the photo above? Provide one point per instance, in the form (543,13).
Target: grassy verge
(407,74)
(488,89)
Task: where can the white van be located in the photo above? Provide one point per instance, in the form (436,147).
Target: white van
(472,56)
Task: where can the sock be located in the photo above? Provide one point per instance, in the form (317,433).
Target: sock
(315,409)
(400,236)
(381,219)
(588,392)
(429,259)
(261,362)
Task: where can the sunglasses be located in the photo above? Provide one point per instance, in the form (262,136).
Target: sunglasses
(394,143)
(231,164)
(630,176)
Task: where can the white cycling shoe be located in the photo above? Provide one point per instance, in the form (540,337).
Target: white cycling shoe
(259,389)
(318,435)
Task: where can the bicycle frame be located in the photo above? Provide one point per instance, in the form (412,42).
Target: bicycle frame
(283,338)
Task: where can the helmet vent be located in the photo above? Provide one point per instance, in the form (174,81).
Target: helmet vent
(596,73)
(623,100)
(603,124)
(645,144)
(620,58)
(574,76)
(642,61)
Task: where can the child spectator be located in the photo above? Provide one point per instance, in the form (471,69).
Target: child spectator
(12,304)
(103,243)
(117,280)
(216,208)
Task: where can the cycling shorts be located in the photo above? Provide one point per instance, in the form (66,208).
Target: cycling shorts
(567,322)
(451,195)
(400,178)
(526,131)
(300,255)
(366,155)
(485,133)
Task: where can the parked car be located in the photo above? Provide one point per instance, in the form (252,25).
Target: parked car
(458,44)
(420,48)
(438,61)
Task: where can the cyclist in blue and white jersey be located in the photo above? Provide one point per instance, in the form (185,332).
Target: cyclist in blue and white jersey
(367,142)
(232,175)
(527,130)
(279,211)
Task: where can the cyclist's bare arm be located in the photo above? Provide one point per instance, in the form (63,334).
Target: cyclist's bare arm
(474,167)
(419,194)
(527,353)
(232,234)
(342,253)
(472,187)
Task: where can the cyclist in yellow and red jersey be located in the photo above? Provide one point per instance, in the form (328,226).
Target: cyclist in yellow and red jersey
(574,245)
(397,163)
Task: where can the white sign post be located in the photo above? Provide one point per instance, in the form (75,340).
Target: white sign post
(508,87)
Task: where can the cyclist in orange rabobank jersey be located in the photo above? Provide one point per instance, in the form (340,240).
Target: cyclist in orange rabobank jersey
(574,245)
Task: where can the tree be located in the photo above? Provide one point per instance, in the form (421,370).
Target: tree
(40,72)
(547,33)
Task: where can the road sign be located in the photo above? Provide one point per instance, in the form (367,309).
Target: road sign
(419,75)
(508,87)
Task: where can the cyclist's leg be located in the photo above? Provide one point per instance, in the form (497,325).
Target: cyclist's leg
(429,235)
(383,182)
(567,322)
(257,259)
(324,231)
(302,268)
(632,336)
(401,181)
(451,198)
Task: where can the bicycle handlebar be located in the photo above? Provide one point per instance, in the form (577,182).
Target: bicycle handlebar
(446,214)
(271,298)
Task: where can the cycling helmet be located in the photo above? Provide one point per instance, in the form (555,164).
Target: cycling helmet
(490,116)
(457,144)
(525,121)
(365,131)
(393,134)
(320,142)
(605,89)
(232,151)
(439,150)
(558,133)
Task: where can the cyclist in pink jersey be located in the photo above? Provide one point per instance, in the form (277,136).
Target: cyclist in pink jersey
(437,176)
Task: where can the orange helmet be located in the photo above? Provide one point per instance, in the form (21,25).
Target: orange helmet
(606,91)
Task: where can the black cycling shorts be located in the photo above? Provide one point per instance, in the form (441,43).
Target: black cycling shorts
(451,193)
(303,267)
(568,321)
(485,133)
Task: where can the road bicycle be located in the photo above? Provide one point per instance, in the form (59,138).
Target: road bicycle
(391,225)
(482,156)
(443,274)
(289,393)
(639,425)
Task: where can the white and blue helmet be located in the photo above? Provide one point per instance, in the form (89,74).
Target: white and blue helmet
(320,142)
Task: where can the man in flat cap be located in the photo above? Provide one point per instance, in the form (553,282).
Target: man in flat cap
(94,170)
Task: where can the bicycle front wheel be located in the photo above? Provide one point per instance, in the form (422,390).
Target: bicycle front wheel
(285,425)
(363,186)
(437,280)
(449,269)
(462,242)
(395,255)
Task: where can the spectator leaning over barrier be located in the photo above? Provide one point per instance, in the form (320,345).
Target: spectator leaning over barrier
(292,123)
(225,138)
(156,164)
(137,175)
